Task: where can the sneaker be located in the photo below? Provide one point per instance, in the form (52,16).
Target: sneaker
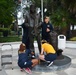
(27,70)
(21,69)
(49,64)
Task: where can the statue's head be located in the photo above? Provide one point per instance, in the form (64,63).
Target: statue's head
(32,8)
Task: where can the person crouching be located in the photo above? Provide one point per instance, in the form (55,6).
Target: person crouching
(24,62)
(50,55)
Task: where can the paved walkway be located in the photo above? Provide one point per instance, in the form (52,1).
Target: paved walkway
(71,70)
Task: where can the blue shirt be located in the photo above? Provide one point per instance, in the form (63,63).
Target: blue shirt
(44,27)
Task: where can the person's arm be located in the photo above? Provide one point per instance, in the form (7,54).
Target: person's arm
(42,51)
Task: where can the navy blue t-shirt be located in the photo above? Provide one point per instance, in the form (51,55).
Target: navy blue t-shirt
(44,26)
(23,57)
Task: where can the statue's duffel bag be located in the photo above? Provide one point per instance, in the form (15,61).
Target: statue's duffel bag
(53,39)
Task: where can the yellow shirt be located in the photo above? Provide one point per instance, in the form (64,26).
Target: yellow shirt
(48,48)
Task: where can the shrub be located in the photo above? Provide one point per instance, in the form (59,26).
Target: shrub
(0,33)
(10,39)
(5,31)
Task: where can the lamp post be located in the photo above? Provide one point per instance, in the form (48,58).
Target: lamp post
(42,9)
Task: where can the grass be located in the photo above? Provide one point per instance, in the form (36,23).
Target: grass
(10,39)
(73,39)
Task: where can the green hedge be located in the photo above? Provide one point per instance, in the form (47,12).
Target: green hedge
(10,39)
(4,29)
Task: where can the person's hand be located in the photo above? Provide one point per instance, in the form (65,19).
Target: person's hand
(47,30)
(41,55)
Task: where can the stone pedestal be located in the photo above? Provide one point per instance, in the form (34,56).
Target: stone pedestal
(59,64)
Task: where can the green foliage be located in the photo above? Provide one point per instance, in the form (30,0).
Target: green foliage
(59,10)
(11,27)
(9,39)
(6,9)
(4,30)
(37,2)
(0,33)
(59,18)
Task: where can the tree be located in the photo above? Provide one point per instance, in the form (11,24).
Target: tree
(62,13)
(6,10)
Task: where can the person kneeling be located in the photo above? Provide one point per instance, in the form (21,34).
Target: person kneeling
(24,62)
(50,53)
